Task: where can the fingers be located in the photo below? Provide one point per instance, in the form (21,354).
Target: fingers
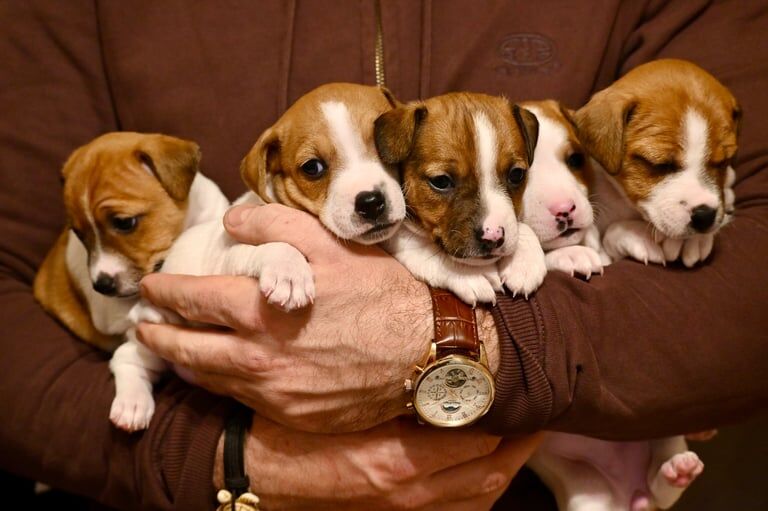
(234,302)
(202,350)
(475,480)
(255,225)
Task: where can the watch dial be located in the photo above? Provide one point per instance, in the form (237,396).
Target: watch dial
(453,395)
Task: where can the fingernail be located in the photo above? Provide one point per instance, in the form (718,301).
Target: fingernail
(237,215)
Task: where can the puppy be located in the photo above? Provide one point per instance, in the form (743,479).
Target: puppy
(128,196)
(319,157)
(464,161)
(666,136)
(556,200)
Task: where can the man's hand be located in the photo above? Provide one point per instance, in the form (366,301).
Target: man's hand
(398,465)
(336,366)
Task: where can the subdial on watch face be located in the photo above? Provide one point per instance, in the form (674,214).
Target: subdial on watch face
(436,392)
(469,393)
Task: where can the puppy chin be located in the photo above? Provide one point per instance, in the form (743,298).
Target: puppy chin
(564,239)
(362,232)
(477,261)
(377,234)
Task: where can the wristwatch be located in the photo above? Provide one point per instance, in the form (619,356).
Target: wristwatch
(454,388)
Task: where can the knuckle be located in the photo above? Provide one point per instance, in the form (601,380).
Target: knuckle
(249,361)
(494,482)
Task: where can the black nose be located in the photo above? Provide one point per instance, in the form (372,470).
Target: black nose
(702,217)
(370,205)
(485,244)
(105,284)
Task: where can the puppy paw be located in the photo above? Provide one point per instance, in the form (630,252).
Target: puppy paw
(287,280)
(681,470)
(632,238)
(474,289)
(523,272)
(575,259)
(132,409)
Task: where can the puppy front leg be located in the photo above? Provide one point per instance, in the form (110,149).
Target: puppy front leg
(285,277)
(673,468)
(135,369)
(632,238)
(524,271)
(429,264)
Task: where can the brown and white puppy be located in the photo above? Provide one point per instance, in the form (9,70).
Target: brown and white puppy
(319,157)
(128,196)
(556,201)
(464,161)
(666,136)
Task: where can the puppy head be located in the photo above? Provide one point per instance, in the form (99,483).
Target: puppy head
(320,157)
(556,199)
(126,199)
(464,160)
(667,131)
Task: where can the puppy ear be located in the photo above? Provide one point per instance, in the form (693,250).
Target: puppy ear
(72,161)
(600,126)
(391,99)
(529,127)
(568,114)
(395,132)
(260,163)
(173,161)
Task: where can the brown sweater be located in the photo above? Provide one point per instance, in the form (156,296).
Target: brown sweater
(642,351)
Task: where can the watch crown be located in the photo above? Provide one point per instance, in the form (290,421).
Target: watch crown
(409,407)
(408,384)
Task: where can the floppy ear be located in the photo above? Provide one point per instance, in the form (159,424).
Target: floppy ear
(260,163)
(529,127)
(391,99)
(173,161)
(601,124)
(72,160)
(395,132)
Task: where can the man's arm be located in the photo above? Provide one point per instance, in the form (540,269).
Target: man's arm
(650,351)
(55,391)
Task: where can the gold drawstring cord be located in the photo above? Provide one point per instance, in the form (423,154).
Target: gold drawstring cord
(381,80)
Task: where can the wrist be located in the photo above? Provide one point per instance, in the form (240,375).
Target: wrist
(486,327)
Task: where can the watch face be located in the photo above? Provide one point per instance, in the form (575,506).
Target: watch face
(455,392)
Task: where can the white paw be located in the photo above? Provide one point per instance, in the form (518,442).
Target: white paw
(575,259)
(286,280)
(474,288)
(697,248)
(132,408)
(681,470)
(145,311)
(523,272)
(633,239)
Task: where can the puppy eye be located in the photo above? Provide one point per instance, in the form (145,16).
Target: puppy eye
(515,176)
(441,183)
(314,168)
(665,167)
(124,224)
(575,160)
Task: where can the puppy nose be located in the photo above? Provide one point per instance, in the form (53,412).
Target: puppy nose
(562,209)
(489,238)
(105,284)
(370,205)
(702,217)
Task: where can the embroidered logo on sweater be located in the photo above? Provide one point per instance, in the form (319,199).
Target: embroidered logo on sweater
(527,53)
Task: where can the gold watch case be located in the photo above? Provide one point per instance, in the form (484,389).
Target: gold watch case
(462,389)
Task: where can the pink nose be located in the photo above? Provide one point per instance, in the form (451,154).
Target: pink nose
(493,233)
(562,209)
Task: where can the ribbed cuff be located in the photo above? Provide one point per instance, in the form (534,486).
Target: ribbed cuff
(523,401)
(187,450)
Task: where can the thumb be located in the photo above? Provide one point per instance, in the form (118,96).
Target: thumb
(256,225)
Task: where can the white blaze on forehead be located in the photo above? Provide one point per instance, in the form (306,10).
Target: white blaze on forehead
(346,137)
(497,205)
(695,140)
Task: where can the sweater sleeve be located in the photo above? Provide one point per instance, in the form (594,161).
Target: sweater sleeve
(647,351)
(55,391)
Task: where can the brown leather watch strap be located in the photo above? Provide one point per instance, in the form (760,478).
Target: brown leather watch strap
(455,324)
